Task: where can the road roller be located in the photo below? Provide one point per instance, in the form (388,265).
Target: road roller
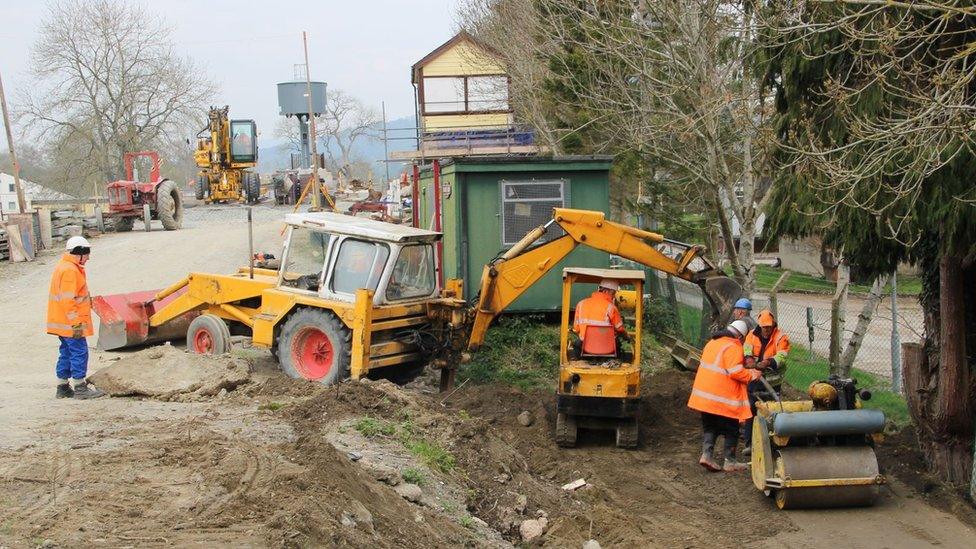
(818,453)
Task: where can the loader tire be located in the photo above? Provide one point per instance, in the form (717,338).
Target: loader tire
(566,430)
(169,205)
(203,185)
(252,187)
(208,335)
(315,345)
(124,224)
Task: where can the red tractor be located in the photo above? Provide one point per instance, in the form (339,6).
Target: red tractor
(127,199)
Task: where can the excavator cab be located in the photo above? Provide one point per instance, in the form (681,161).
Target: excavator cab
(244,142)
(599,388)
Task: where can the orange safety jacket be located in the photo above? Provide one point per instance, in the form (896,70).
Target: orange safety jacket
(68,301)
(720,384)
(777,348)
(598,317)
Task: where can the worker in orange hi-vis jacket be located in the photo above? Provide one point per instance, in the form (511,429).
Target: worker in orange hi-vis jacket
(719,393)
(69,318)
(598,321)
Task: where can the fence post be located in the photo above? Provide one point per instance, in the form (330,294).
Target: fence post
(773,304)
(810,328)
(895,339)
(673,296)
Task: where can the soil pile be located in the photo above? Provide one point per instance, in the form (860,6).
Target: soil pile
(167,373)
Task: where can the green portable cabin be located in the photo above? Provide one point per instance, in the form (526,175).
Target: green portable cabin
(489,203)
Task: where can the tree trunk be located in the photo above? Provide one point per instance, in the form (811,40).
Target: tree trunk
(747,256)
(838,313)
(939,387)
(861,328)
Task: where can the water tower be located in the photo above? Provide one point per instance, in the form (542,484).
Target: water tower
(293,101)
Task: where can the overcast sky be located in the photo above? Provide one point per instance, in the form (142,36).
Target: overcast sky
(365,47)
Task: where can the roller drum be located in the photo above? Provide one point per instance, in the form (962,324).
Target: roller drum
(826,463)
(828,422)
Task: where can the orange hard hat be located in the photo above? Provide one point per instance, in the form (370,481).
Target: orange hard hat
(766,318)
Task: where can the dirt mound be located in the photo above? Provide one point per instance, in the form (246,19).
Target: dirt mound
(167,373)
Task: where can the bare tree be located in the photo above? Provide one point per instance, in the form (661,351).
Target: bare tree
(345,122)
(106,81)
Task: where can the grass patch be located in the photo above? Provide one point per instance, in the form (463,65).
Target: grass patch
(371,427)
(521,351)
(432,455)
(272,406)
(766,276)
(806,367)
(690,320)
(414,476)
(466,521)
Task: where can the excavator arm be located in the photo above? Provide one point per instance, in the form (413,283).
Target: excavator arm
(508,276)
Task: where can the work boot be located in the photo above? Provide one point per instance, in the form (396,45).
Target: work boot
(733,466)
(747,451)
(64,391)
(83,391)
(708,462)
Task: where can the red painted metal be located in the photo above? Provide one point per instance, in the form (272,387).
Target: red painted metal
(124,319)
(126,197)
(203,342)
(415,197)
(312,354)
(437,221)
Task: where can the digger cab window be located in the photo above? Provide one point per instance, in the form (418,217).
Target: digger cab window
(304,259)
(244,143)
(413,273)
(359,264)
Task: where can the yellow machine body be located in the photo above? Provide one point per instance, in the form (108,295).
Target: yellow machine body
(225,174)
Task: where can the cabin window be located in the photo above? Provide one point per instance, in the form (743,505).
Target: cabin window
(465,94)
(413,273)
(359,265)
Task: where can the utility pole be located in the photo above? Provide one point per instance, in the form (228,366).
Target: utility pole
(386,148)
(21,202)
(316,189)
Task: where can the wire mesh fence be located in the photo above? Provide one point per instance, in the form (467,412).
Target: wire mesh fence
(806,319)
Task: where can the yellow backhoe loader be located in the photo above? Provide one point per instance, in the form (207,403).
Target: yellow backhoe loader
(225,151)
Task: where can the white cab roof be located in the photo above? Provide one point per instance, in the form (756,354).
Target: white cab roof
(361,227)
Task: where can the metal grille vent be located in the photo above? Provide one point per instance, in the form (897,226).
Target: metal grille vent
(528,204)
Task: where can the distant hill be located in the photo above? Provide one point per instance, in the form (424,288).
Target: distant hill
(275,153)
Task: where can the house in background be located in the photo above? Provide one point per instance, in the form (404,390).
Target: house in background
(462,104)
(32,191)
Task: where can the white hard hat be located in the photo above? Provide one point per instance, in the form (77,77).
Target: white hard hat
(610,284)
(740,327)
(76,241)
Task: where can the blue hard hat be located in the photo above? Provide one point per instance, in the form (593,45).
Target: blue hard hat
(743,303)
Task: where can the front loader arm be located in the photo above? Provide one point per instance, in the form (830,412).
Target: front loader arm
(508,276)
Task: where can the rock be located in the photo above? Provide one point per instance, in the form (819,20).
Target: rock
(479,522)
(502,478)
(359,514)
(542,514)
(526,419)
(355,456)
(521,502)
(47,543)
(532,529)
(222,393)
(409,492)
(592,544)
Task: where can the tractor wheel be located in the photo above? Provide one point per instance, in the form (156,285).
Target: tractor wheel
(169,205)
(203,185)
(124,224)
(566,430)
(252,187)
(315,345)
(208,335)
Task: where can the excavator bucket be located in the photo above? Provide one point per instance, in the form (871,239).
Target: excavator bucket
(722,292)
(124,320)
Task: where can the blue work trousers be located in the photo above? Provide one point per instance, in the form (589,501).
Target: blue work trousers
(73,360)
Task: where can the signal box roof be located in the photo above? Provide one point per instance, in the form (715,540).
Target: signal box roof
(368,229)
